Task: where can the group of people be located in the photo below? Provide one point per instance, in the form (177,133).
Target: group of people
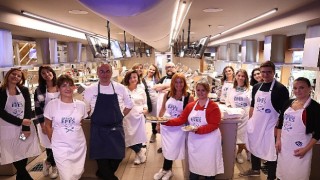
(273,128)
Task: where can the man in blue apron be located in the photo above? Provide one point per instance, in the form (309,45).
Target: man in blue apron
(109,101)
(268,98)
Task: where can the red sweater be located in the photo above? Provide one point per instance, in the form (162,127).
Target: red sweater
(213,117)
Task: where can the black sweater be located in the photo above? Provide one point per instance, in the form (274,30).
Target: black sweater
(312,121)
(27,109)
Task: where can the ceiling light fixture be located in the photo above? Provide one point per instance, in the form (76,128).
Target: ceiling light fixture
(179,14)
(212,10)
(249,21)
(55,22)
(78,12)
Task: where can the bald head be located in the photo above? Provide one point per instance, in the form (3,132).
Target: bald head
(104,73)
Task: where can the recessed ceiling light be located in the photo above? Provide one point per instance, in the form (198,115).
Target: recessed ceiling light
(212,10)
(220,26)
(192,32)
(76,11)
(120,33)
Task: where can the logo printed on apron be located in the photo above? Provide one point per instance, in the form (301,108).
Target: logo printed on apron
(68,122)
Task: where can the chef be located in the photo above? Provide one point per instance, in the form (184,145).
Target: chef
(268,98)
(109,101)
(18,138)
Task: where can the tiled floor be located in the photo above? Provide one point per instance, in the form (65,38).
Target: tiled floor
(128,171)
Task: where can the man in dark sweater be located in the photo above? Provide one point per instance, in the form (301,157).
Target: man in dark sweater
(268,98)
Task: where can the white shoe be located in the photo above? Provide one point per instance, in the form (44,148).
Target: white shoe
(160,174)
(168,175)
(136,160)
(54,174)
(142,155)
(45,168)
(239,158)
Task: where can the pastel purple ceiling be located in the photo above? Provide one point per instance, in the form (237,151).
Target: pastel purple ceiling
(119,7)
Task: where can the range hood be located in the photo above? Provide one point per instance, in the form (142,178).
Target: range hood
(311,53)
(274,48)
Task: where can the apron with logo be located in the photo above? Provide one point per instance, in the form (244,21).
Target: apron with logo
(172,137)
(204,150)
(44,140)
(293,136)
(134,122)
(68,142)
(240,99)
(224,90)
(161,95)
(106,133)
(260,127)
(13,149)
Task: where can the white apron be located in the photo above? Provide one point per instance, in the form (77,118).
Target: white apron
(172,137)
(293,136)
(68,142)
(153,96)
(260,127)
(224,90)
(13,149)
(44,140)
(240,99)
(134,122)
(161,95)
(204,150)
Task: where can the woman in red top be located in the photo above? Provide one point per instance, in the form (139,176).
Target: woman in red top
(204,138)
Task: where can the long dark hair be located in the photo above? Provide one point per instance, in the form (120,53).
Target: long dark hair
(42,82)
(252,80)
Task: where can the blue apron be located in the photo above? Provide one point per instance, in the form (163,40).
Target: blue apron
(107,134)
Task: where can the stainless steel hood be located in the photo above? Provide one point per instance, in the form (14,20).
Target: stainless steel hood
(274,48)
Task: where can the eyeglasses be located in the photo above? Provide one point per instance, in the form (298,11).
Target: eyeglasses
(104,72)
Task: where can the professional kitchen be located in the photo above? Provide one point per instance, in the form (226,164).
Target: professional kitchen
(159,89)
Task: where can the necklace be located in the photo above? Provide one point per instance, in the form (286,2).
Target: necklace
(240,89)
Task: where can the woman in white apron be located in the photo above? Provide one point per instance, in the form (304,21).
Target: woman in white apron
(298,131)
(18,138)
(134,121)
(239,96)
(173,139)
(204,140)
(226,82)
(45,92)
(63,118)
(152,78)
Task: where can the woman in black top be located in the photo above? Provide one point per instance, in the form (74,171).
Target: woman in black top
(255,76)
(298,131)
(18,138)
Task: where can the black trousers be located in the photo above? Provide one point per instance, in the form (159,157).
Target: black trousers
(194,176)
(167,164)
(22,173)
(50,157)
(136,148)
(154,125)
(107,168)
(272,166)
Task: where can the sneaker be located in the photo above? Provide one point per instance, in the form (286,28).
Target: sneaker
(54,173)
(153,138)
(136,160)
(142,155)
(239,158)
(160,174)
(250,172)
(168,175)
(46,167)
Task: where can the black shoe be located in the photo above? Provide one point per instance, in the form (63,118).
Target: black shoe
(159,150)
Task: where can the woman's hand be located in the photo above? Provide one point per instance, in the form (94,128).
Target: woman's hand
(26,122)
(26,133)
(278,146)
(300,152)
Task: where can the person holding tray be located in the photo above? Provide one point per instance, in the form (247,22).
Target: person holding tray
(173,139)
(204,140)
